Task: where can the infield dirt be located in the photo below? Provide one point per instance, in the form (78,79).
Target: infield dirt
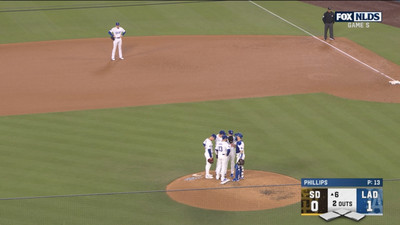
(41,77)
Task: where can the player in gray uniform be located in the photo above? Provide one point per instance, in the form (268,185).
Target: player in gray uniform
(232,143)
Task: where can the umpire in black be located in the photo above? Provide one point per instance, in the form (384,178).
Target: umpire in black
(329,20)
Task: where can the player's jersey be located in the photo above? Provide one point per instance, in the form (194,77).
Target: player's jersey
(223,148)
(118,32)
(239,147)
(218,139)
(208,145)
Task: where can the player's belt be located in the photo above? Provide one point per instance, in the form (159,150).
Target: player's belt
(118,37)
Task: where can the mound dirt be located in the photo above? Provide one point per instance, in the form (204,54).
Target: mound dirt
(258,191)
(41,77)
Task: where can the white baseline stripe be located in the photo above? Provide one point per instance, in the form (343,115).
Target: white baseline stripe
(346,54)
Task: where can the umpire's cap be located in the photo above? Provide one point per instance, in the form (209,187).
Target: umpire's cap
(222,132)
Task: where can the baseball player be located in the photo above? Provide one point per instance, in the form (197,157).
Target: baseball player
(239,157)
(232,143)
(208,145)
(218,139)
(224,149)
(117,33)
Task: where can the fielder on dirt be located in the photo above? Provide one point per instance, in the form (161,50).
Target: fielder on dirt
(117,33)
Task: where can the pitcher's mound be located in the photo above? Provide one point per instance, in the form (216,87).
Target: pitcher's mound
(259,190)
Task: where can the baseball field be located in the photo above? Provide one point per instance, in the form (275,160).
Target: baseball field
(84,140)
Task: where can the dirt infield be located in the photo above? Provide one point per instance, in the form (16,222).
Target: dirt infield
(54,76)
(259,190)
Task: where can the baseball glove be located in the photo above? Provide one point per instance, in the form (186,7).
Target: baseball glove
(112,38)
(211,160)
(241,162)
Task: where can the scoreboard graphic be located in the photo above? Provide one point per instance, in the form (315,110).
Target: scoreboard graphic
(341,196)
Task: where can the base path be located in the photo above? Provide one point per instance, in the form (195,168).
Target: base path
(40,77)
(258,191)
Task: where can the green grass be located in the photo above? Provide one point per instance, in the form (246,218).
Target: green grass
(143,18)
(145,148)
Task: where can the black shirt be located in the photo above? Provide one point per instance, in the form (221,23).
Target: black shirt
(329,17)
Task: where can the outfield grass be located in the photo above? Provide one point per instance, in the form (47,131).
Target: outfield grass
(145,148)
(73,20)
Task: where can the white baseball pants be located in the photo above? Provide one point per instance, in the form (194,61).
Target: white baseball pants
(222,165)
(117,42)
(208,165)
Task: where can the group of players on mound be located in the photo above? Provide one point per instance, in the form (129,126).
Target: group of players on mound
(227,148)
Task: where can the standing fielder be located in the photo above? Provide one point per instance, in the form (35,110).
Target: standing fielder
(218,139)
(117,33)
(208,154)
(232,143)
(239,157)
(223,156)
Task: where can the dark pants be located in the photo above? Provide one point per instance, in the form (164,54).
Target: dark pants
(330,27)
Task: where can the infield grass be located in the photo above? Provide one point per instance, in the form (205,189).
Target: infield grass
(145,148)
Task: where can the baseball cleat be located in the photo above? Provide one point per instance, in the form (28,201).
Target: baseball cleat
(113,59)
(217,177)
(209,176)
(231,175)
(121,58)
(332,39)
(225,181)
(235,180)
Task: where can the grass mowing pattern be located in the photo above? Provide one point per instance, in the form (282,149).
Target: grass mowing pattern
(145,148)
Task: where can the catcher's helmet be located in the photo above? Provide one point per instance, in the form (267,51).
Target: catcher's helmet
(239,135)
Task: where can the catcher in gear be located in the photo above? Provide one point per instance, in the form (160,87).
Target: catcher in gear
(208,146)
(239,174)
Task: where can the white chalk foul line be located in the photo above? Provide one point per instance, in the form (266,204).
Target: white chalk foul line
(315,37)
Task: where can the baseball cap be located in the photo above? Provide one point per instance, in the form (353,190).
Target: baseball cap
(214,136)
(329,8)
(230,131)
(117,23)
(222,132)
(224,137)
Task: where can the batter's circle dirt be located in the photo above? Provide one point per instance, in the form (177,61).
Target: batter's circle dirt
(259,190)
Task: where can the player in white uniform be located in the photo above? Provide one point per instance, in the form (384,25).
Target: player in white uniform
(208,145)
(239,155)
(224,149)
(232,142)
(117,32)
(218,139)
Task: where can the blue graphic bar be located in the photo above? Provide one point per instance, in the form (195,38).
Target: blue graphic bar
(341,182)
